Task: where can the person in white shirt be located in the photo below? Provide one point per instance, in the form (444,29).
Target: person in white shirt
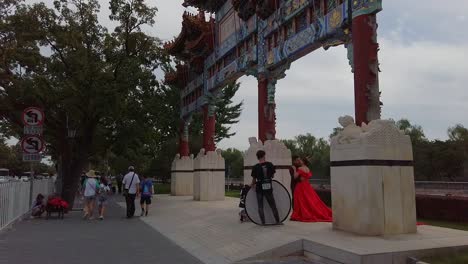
(131,183)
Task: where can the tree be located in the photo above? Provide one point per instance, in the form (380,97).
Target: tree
(90,81)
(234,161)
(458,133)
(317,151)
(11,157)
(102,100)
(415,132)
(335,132)
(227,115)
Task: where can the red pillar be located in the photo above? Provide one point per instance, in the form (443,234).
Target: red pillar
(184,149)
(365,48)
(209,129)
(266,113)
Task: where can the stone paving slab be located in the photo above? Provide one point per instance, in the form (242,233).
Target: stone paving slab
(115,240)
(211,231)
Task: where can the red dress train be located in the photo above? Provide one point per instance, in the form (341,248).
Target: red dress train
(308,207)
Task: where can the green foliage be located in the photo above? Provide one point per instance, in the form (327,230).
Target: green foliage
(459,134)
(457,257)
(232,193)
(11,157)
(166,148)
(162,188)
(433,160)
(317,151)
(414,131)
(437,160)
(335,132)
(227,113)
(97,83)
(234,161)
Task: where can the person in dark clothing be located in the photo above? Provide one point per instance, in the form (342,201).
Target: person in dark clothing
(119,179)
(82,179)
(292,171)
(262,178)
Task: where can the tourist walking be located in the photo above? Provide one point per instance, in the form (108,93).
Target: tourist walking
(91,186)
(119,179)
(262,178)
(131,184)
(103,195)
(147,191)
(308,207)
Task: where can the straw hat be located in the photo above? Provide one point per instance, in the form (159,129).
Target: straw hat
(91,174)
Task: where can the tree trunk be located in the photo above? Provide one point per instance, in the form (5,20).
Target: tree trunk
(71,180)
(74,160)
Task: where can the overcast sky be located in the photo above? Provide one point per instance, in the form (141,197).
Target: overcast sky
(424,63)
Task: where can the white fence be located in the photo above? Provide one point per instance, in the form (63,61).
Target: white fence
(16,198)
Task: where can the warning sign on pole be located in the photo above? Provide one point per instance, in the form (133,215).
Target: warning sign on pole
(32,145)
(33,116)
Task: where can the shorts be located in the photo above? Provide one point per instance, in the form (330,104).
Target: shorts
(102,201)
(145,199)
(90,198)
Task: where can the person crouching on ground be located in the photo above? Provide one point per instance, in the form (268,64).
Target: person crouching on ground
(103,196)
(146,187)
(91,186)
(38,207)
(262,179)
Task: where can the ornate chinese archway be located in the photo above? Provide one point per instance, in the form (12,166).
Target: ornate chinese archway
(262,38)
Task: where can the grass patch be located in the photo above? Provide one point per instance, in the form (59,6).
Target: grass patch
(162,188)
(233,193)
(455,258)
(446,224)
(458,258)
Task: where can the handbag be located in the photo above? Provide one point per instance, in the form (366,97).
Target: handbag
(126,191)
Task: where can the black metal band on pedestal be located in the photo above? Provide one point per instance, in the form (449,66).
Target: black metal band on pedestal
(368,162)
(223,170)
(278,167)
(181,171)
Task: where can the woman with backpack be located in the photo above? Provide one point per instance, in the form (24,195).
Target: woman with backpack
(102,196)
(146,194)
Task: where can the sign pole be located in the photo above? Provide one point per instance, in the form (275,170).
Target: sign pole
(31,187)
(32,142)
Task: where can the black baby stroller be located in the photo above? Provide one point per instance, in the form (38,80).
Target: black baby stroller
(243,196)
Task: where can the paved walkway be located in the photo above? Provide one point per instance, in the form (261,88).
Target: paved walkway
(72,240)
(211,232)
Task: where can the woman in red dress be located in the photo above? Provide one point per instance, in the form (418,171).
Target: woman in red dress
(307,204)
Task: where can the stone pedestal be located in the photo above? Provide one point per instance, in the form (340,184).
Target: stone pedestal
(182,176)
(276,153)
(209,176)
(372,179)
